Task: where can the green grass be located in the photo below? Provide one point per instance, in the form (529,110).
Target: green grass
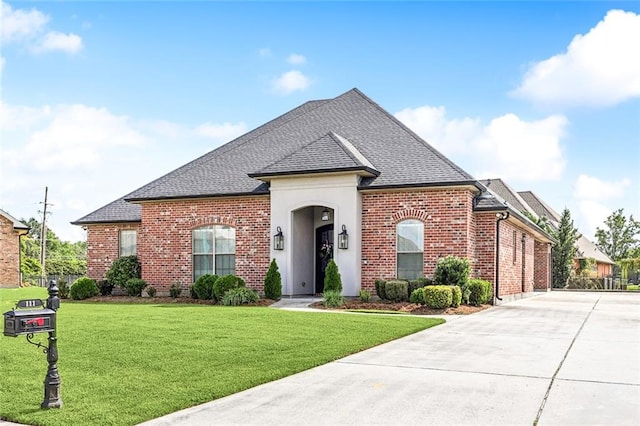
(124,364)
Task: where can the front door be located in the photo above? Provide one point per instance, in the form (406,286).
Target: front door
(324,253)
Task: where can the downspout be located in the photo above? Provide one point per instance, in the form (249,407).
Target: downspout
(500,217)
(524,259)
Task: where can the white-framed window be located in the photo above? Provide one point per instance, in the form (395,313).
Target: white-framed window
(128,242)
(214,250)
(410,249)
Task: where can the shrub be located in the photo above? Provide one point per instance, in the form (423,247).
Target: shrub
(239,296)
(456,294)
(397,290)
(332,279)
(151,291)
(273,282)
(63,290)
(224,284)
(134,286)
(123,269)
(417,296)
(332,299)
(438,296)
(480,291)
(380,285)
(418,283)
(105,287)
(365,296)
(452,270)
(175,289)
(83,288)
(192,292)
(203,287)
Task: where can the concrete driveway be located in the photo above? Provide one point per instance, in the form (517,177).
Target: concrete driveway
(557,358)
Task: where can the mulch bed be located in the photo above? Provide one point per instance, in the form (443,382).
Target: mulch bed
(350,304)
(404,307)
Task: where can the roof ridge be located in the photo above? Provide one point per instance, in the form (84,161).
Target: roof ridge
(351,150)
(414,135)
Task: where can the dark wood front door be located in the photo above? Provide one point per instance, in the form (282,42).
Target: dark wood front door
(324,253)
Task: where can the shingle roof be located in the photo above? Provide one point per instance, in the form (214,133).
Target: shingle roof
(16,223)
(508,194)
(400,156)
(329,153)
(586,248)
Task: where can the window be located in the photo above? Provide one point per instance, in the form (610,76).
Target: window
(410,249)
(128,241)
(214,250)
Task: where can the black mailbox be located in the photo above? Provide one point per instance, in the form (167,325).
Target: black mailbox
(19,321)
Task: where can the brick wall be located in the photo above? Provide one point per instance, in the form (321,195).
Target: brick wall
(448,228)
(542,270)
(165,240)
(9,254)
(484,265)
(103,246)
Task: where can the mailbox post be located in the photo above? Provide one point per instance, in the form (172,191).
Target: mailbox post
(52,380)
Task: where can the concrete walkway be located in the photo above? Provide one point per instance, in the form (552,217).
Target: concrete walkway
(555,359)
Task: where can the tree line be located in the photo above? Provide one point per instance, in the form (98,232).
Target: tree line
(61,257)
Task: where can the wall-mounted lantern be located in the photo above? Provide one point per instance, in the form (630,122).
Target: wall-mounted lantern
(278,240)
(326,215)
(343,239)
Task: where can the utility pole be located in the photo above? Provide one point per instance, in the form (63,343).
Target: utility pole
(43,240)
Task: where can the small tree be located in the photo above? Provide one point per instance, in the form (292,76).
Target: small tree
(332,278)
(564,252)
(273,282)
(621,238)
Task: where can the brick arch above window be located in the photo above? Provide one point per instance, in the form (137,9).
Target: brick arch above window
(401,215)
(202,221)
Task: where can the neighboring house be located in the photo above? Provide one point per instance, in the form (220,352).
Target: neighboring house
(10,231)
(335,178)
(527,201)
(585,248)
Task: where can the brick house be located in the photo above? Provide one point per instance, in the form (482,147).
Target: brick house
(10,231)
(335,178)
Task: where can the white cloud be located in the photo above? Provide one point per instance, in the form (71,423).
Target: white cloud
(89,157)
(70,43)
(521,150)
(600,68)
(264,52)
(223,132)
(448,136)
(507,147)
(26,26)
(21,24)
(592,188)
(591,195)
(290,82)
(295,59)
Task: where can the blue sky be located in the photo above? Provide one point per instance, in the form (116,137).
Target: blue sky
(99,98)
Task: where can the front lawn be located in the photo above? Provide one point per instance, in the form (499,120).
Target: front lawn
(124,364)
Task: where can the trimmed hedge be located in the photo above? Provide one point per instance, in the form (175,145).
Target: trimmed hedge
(397,290)
(452,270)
(224,284)
(438,296)
(380,285)
(480,291)
(203,287)
(457,296)
(83,288)
(134,286)
(417,296)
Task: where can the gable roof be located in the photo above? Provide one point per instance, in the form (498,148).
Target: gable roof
(585,247)
(507,193)
(329,153)
(17,225)
(362,135)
